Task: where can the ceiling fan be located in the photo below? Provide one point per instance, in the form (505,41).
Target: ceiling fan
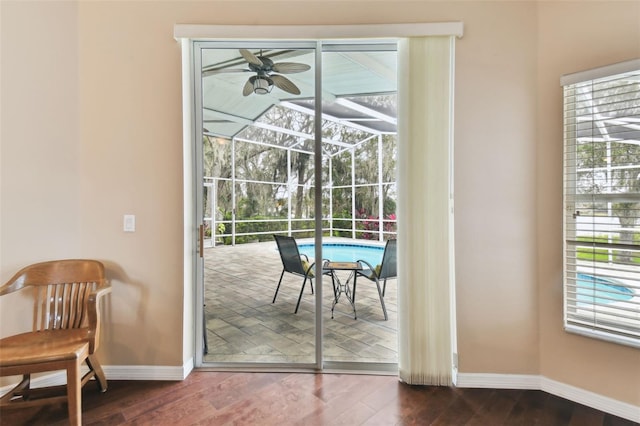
(266,77)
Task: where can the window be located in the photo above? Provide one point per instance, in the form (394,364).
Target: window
(602,203)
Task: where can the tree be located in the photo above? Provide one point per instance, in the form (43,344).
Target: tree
(264,183)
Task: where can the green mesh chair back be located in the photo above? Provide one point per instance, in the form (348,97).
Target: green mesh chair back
(388,268)
(293,263)
(290,255)
(389,265)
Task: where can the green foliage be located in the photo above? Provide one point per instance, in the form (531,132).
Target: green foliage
(269,181)
(598,254)
(254,228)
(342,220)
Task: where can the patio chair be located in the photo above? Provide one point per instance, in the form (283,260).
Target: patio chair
(294,263)
(388,268)
(65,332)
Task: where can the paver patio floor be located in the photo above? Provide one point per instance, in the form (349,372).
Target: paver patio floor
(244,326)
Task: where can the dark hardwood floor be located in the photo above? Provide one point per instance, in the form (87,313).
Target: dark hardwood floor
(230,398)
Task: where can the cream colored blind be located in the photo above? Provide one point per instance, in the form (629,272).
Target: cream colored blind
(602,203)
(425,232)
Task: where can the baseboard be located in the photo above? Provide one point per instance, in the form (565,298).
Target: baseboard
(572,393)
(591,399)
(117,372)
(147,372)
(498,381)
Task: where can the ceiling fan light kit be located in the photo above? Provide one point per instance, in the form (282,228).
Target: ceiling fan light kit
(262,86)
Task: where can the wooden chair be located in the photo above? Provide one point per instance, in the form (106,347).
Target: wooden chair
(65,333)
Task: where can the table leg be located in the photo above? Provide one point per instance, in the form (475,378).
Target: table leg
(351,295)
(340,288)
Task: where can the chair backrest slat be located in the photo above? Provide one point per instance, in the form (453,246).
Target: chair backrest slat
(40,307)
(289,254)
(71,306)
(62,306)
(61,291)
(84,291)
(55,307)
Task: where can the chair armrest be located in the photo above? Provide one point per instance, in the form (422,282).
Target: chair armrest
(310,270)
(326,271)
(311,266)
(14,284)
(366,263)
(93,308)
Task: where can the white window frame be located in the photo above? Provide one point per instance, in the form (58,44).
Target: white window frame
(597,117)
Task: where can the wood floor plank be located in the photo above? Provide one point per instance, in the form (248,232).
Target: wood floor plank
(497,408)
(586,416)
(339,394)
(265,399)
(422,404)
(528,409)
(557,412)
(355,415)
(387,414)
(458,412)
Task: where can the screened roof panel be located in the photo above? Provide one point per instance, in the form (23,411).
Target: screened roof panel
(349,80)
(359,73)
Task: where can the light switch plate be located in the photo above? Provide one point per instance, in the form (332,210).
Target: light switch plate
(129,223)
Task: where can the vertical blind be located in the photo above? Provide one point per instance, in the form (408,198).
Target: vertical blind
(426,312)
(602,203)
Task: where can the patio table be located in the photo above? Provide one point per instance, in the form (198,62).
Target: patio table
(340,287)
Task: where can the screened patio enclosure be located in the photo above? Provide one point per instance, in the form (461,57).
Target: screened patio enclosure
(258,149)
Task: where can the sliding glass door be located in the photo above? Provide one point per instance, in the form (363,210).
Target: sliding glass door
(295,139)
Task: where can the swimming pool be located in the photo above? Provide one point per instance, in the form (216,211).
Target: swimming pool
(592,289)
(345,252)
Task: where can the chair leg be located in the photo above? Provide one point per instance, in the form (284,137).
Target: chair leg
(74,392)
(21,390)
(353,295)
(25,387)
(384,308)
(278,288)
(384,287)
(302,291)
(101,380)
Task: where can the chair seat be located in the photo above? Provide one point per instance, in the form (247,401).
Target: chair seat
(43,347)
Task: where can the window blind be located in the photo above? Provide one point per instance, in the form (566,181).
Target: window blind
(602,203)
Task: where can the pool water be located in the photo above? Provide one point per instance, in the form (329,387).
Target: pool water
(593,289)
(345,252)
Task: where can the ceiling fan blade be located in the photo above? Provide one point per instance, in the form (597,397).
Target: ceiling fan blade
(250,57)
(290,67)
(248,86)
(223,71)
(285,84)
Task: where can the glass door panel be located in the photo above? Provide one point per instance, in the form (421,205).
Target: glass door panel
(256,174)
(359,136)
